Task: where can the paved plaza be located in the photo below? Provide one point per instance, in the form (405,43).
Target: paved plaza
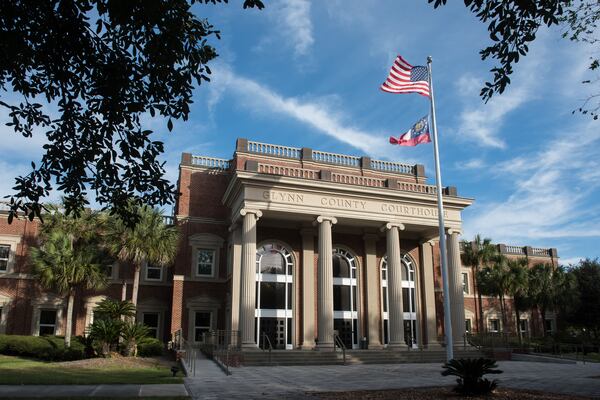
(283,382)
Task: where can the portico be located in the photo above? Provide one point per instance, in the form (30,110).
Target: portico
(357,260)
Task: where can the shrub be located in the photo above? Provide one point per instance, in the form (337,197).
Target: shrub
(150,347)
(132,334)
(106,332)
(470,372)
(49,348)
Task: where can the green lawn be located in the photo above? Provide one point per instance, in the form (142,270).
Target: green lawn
(20,371)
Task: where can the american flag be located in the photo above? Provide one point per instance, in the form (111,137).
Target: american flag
(404,78)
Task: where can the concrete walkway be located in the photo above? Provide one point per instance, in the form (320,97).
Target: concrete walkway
(43,391)
(294,382)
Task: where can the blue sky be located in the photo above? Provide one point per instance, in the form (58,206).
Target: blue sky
(306,74)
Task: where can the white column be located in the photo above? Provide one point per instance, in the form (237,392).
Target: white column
(457,300)
(429,287)
(325,284)
(394,266)
(236,260)
(308,288)
(248,277)
(373,284)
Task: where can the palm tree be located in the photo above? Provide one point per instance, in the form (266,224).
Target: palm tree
(107,332)
(64,264)
(115,309)
(150,240)
(491,280)
(132,334)
(518,287)
(477,254)
(542,289)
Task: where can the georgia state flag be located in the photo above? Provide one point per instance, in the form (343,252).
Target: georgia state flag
(419,133)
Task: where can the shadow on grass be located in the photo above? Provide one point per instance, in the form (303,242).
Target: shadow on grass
(18,371)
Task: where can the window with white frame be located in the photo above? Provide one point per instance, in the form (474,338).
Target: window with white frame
(202,324)
(47,325)
(465,282)
(153,272)
(4,256)
(468,325)
(152,321)
(523,325)
(109,271)
(494,325)
(205,266)
(548,326)
(205,250)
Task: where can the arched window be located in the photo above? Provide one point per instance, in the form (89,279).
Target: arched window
(274,290)
(408,299)
(345,300)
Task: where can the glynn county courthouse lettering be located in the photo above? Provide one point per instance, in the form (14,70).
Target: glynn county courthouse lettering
(293,244)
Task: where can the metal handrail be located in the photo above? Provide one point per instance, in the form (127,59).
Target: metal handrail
(189,355)
(338,342)
(265,336)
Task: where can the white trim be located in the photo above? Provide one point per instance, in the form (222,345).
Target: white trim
(12,241)
(148,266)
(5,306)
(287,278)
(48,302)
(351,282)
(468,283)
(90,305)
(201,304)
(205,241)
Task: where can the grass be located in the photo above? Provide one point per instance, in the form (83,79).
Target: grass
(20,371)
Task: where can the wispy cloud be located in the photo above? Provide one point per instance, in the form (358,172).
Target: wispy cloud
(551,193)
(481,123)
(293,23)
(474,163)
(570,260)
(321,114)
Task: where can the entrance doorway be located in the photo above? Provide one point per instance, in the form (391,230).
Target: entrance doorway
(408,300)
(274,290)
(345,314)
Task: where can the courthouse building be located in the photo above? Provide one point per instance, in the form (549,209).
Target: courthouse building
(292,243)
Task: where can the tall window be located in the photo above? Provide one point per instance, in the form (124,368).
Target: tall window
(4,255)
(465,282)
(206,263)
(345,301)
(494,325)
(152,320)
(523,325)
(408,299)
(468,325)
(274,295)
(47,322)
(202,324)
(548,325)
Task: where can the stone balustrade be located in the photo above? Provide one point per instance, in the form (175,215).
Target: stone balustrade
(211,162)
(358,180)
(396,167)
(288,171)
(345,160)
(274,150)
(515,250)
(334,158)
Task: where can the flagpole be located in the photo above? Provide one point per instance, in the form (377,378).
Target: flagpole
(443,253)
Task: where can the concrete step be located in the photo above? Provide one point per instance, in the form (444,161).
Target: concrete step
(385,356)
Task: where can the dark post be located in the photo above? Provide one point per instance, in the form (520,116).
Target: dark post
(306,154)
